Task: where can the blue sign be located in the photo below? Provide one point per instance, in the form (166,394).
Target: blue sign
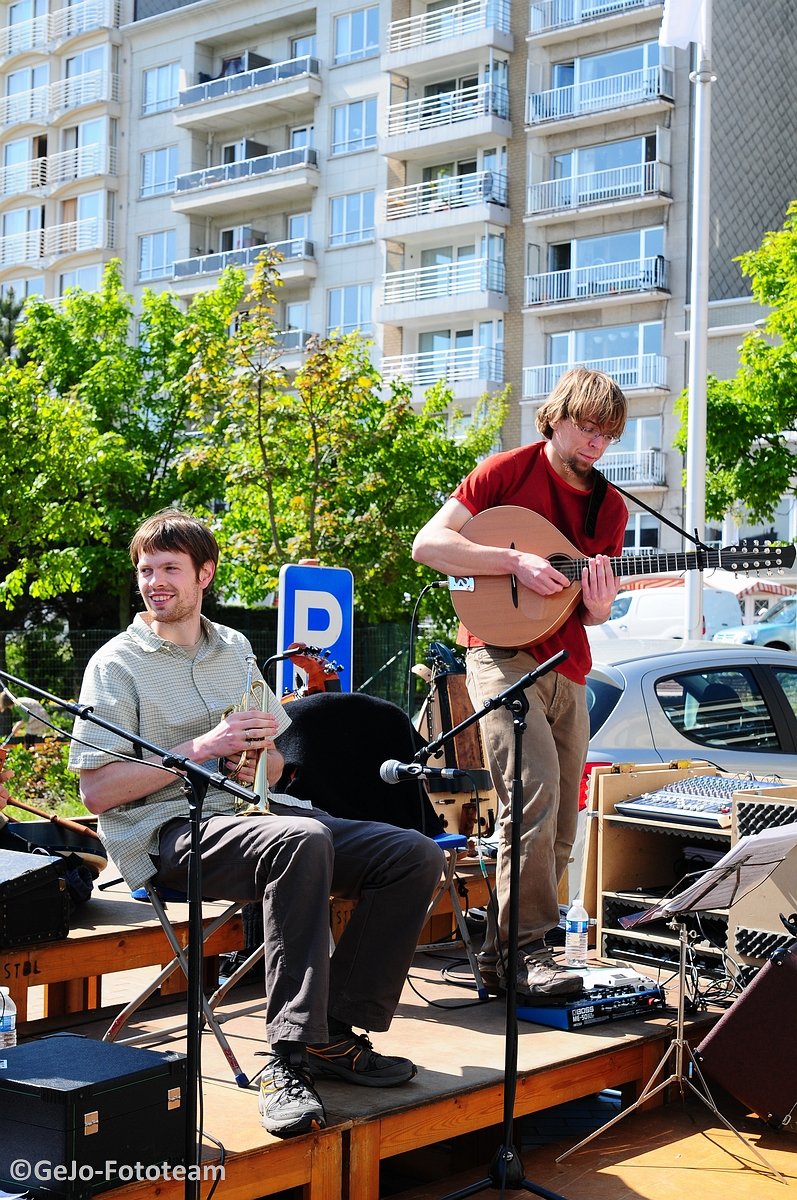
(316,607)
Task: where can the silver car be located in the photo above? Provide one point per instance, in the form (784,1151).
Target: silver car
(733,706)
(776,628)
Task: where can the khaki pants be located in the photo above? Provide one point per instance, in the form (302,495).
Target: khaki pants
(554,751)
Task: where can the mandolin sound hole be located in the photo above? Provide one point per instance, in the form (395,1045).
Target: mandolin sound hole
(563,564)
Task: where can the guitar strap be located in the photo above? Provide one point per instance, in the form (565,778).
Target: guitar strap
(595,501)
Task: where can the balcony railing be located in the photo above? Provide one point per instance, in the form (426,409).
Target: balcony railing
(598,95)
(555,14)
(428,28)
(264,164)
(58,168)
(455,366)
(69,21)
(293,340)
(630,467)
(631,371)
(448,108)
(211,264)
(81,163)
(26,106)
(581,283)
(19,248)
(89,234)
(84,89)
(461,191)
(445,279)
(599,187)
(216,89)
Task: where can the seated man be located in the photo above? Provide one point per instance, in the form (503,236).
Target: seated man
(170,677)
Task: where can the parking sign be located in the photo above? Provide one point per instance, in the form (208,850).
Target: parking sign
(316,606)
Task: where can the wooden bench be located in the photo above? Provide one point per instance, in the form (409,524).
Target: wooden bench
(110,933)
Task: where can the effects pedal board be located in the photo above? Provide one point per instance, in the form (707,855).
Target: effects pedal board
(609,995)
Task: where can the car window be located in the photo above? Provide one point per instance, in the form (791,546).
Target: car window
(602,697)
(782,613)
(788,681)
(720,708)
(620,606)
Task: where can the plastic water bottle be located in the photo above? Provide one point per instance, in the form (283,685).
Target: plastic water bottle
(8,1019)
(576,934)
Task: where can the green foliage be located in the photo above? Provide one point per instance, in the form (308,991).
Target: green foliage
(334,466)
(110,419)
(749,453)
(42,779)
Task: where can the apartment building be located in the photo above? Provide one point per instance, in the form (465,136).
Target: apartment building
(491,190)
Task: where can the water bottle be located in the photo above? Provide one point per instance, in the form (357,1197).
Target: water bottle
(576,934)
(8,1019)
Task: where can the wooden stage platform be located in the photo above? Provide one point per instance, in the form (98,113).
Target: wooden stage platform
(459,1047)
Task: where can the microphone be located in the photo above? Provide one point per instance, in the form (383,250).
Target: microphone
(394,771)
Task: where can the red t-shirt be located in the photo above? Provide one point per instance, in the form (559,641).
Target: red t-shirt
(526,478)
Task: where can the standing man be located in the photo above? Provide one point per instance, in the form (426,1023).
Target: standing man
(170,678)
(584,414)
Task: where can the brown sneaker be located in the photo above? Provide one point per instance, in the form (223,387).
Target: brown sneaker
(540,978)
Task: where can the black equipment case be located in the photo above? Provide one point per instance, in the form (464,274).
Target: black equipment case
(34,903)
(752,1051)
(88,1115)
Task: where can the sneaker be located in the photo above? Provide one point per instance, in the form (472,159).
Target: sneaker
(540,978)
(288,1102)
(353,1058)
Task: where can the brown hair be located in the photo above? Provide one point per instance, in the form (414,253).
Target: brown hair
(584,395)
(171,529)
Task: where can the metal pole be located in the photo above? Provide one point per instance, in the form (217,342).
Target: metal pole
(695,521)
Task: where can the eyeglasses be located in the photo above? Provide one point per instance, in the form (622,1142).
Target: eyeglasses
(594,434)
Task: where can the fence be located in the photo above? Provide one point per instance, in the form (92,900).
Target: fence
(54,660)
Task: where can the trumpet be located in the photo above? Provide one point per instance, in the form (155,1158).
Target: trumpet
(253,699)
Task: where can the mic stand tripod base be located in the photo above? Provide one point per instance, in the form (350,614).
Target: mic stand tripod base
(679,1050)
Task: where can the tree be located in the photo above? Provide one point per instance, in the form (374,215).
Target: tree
(10,310)
(332,465)
(97,436)
(752,417)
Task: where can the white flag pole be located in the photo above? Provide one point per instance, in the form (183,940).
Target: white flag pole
(695,517)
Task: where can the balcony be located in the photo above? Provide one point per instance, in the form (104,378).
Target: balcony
(469,364)
(231,186)
(37,173)
(633,372)
(464,199)
(464,288)
(76,19)
(90,88)
(474,116)
(26,107)
(243,99)
(24,37)
(549,16)
(455,34)
(634,468)
(588,102)
(642,184)
(597,283)
(73,237)
(297,251)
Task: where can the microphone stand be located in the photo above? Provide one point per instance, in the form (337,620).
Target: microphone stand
(506,1169)
(197,781)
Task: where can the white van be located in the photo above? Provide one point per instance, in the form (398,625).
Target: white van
(658,612)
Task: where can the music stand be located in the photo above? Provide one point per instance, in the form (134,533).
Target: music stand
(747,865)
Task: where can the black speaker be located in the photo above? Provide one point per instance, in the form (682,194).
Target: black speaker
(751,1051)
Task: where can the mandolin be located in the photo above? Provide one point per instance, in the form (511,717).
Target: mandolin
(502,612)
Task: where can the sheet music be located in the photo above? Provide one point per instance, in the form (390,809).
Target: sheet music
(746,865)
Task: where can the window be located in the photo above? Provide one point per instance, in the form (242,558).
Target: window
(351,218)
(84,63)
(349,308)
(20,289)
(86,278)
(357,35)
(158,171)
(301,136)
(161,88)
(354,126)
(156,255)
(723,708)
(303,46)
(300,226)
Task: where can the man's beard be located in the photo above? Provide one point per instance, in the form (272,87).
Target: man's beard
(578,468)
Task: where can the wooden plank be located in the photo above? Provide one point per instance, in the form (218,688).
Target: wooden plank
(364,1154)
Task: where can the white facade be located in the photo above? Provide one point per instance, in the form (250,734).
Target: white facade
(492,190)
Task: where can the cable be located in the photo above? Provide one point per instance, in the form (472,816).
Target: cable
(411,645)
